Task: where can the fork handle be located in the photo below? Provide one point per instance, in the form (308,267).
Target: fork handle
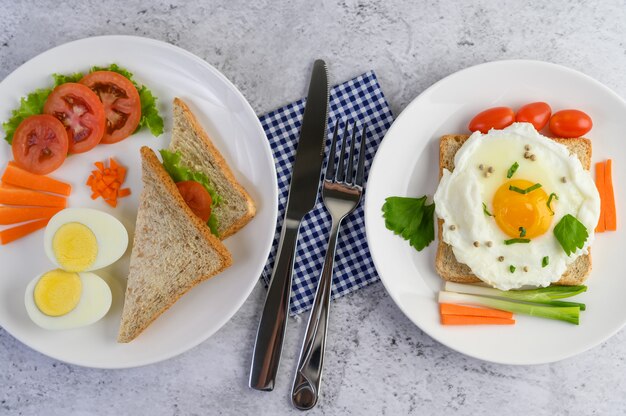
(306,385)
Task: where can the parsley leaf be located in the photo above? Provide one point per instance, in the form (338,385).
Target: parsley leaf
(570,233)
(410,218)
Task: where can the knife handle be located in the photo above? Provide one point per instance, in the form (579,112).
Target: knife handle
(271,332)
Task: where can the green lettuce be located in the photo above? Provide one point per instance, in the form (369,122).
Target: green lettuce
(179,172)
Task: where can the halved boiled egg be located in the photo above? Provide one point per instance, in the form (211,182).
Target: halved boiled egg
(60,299)
(80,239)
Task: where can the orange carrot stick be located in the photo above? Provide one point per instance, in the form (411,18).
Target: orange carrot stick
(14,215)
(474,320)
(610,214)
(15,196)
(14,175)
(453,309)
(600,184)
(14,233)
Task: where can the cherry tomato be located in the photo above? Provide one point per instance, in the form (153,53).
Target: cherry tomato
(122,105)
(80,111)
(537,114)
(492,118)
(570,123)
(197,197)
(40,144)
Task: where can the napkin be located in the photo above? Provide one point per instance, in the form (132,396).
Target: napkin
(361,99)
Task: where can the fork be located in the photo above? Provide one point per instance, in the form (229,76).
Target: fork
(341,193)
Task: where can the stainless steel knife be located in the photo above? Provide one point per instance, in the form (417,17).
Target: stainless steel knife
(303,190)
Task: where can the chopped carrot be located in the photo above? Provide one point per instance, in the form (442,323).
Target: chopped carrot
(453,309)
(474,320)
(14,175)
(610,214)
(14,215)
(16,196)
(106,182)
(14,233)
(600,184)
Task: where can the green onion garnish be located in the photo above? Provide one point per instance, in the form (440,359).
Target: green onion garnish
(516,240)
(486,211)
(524,191)
(552,195)
(512,170)
(512,269)
(545,261)
(522,232)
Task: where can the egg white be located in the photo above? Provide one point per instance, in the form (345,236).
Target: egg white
(95,302)
(461,193)
(111,235)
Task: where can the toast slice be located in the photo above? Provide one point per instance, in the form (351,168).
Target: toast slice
(173,251)
(446,264)
(198,153)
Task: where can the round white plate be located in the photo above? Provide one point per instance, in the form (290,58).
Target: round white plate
(407,164)
(234,128)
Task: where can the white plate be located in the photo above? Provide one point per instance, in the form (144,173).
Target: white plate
(230,121)
(407,163)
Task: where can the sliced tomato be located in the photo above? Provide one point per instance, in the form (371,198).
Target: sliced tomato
(538,114)
(122,105)
(80,111)
(492,118)
(40,144)
(570,123)
(197,197)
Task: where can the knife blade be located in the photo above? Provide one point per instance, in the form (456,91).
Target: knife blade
(303,191)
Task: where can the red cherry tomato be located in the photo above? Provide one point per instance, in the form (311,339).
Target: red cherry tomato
(537,114)
(121,103)
(492,118)
(570,123)
(40,144)
(80,111)
(197,197)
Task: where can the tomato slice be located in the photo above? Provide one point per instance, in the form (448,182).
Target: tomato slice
(492,118)
(197,197)
(40,144)
(538,114)
(122,105)
(80,111)
(570,123)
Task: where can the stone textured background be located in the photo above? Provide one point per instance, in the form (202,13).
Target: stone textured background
(379,362)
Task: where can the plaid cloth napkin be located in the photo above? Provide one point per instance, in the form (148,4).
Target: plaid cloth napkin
(360,99)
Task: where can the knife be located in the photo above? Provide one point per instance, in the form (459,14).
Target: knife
(303,190)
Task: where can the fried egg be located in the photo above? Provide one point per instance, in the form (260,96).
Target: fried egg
(514,184)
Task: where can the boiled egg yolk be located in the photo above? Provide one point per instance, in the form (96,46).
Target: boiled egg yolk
(57,292)
(75,246)
(522,215)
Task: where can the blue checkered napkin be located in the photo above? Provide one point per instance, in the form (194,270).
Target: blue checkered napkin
(360,99)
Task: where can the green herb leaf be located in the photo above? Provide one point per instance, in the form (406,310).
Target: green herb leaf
(30,105)
(512,170)
(178,172)
(512,268)
(524,191)
(410,218)
(571,234)
(522,232)
(486,211)
(516,241)
(62,78)
(545,261)
(552,195)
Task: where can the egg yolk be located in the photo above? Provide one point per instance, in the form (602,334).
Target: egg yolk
(75,247)
(57,292)
(513,210)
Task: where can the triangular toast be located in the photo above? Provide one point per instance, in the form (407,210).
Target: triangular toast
(199,154)
(173,251)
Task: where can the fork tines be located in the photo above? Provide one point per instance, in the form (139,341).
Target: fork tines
(341,174)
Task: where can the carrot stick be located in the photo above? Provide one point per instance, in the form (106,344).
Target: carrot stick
(474,320)
(600,184)
(14,233)
(14,196)
(610,214)
(453,309)
(14,175)
(13,215)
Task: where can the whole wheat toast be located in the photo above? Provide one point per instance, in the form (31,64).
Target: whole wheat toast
(446,263)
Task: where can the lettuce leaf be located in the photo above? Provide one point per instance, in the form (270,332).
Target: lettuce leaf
(178,172)
(30,105)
